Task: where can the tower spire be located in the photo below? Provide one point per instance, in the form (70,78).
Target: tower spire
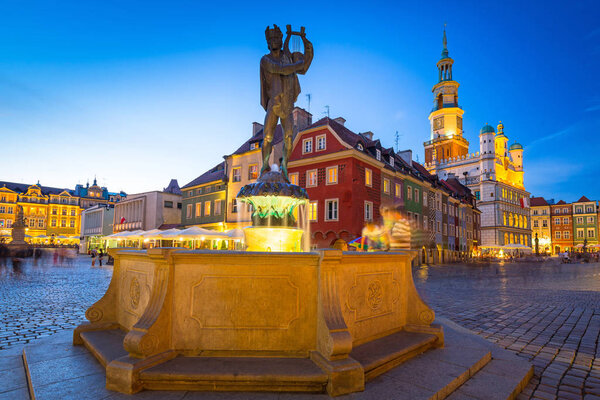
(445,41)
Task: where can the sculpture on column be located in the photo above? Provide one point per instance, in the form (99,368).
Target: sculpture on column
(279,89)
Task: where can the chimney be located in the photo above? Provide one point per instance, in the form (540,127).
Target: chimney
(256,127)
(406,156)
(368,135)
(302,119)
(340,120)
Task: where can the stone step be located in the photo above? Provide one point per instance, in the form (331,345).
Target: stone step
(13,380)
(381,355)
(105,345)
(236,373)
(503,378)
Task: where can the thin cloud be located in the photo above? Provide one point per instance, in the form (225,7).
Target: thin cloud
(550,136)
(593,108)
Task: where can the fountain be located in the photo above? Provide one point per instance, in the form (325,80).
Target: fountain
(274,318)
(274,202)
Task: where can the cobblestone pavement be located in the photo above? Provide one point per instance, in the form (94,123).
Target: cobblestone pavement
(37,301)
(547,312)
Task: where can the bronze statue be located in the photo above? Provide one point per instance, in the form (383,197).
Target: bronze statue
(279,89)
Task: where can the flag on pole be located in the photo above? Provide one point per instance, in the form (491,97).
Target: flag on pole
(524,202)
(123,220)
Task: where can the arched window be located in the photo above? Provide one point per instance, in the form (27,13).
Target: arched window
(506,238)
(440,101)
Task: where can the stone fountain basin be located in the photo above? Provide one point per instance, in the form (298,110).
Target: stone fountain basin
(327,309)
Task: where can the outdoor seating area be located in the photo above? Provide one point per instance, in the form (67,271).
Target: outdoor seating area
(190,238)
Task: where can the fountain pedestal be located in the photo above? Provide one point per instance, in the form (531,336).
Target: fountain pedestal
(223,320)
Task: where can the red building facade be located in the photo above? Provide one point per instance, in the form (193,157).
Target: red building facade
(347,191)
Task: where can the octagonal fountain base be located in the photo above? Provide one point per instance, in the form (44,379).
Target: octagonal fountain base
(251,321)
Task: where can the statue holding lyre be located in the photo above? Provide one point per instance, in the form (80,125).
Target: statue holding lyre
(279,89)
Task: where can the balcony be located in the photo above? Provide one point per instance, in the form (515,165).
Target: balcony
(458,138)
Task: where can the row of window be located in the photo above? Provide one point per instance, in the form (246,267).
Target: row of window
(169,204)
(516,220)
(205,209)
(516,239)
(8,223)
(591,233)
(6,210)
(206,189)
(590,220)
(321,144)
(588,209)
(236,174)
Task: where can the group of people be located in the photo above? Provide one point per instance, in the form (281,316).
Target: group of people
(396,232)
(96,254)
(17,257)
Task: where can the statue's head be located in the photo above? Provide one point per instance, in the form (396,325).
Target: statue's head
(274,37)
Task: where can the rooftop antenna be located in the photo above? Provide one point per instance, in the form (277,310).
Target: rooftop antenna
(308,97)
(397,140)
(326,112)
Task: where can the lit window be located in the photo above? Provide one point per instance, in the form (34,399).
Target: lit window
(386,186)
(368,177)
(311,178)
(188,211)
(252,171)
(409,194)
(218,207)
(398,190)
(206,208)
(307,146)
(9,223)
(321,142)
(331,210)
(312,211)
(591,233)
(378,154)
(54,223)
(368,211)
(63,223)
(332,175)
(72,212)
(236,174)
(293,178)
(254,146)
(198,210)
(71,223)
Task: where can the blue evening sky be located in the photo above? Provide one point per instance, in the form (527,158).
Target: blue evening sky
(138,92)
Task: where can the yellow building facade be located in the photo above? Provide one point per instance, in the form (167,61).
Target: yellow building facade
(52,215)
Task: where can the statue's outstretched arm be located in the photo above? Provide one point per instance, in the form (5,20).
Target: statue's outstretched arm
(308,55)
(280,68)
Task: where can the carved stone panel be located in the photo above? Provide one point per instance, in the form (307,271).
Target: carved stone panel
(373,295)
(134,292)
(245,302)
(438,123)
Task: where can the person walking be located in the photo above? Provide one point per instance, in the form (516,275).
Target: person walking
(94,253)
(100,256)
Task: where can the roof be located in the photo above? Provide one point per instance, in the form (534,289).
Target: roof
(173,187)
(258,137)
(214,174)
(344,133)
(487,129)
(22,188)
(537,202)
(560,203)
(516,146)
(582,199)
